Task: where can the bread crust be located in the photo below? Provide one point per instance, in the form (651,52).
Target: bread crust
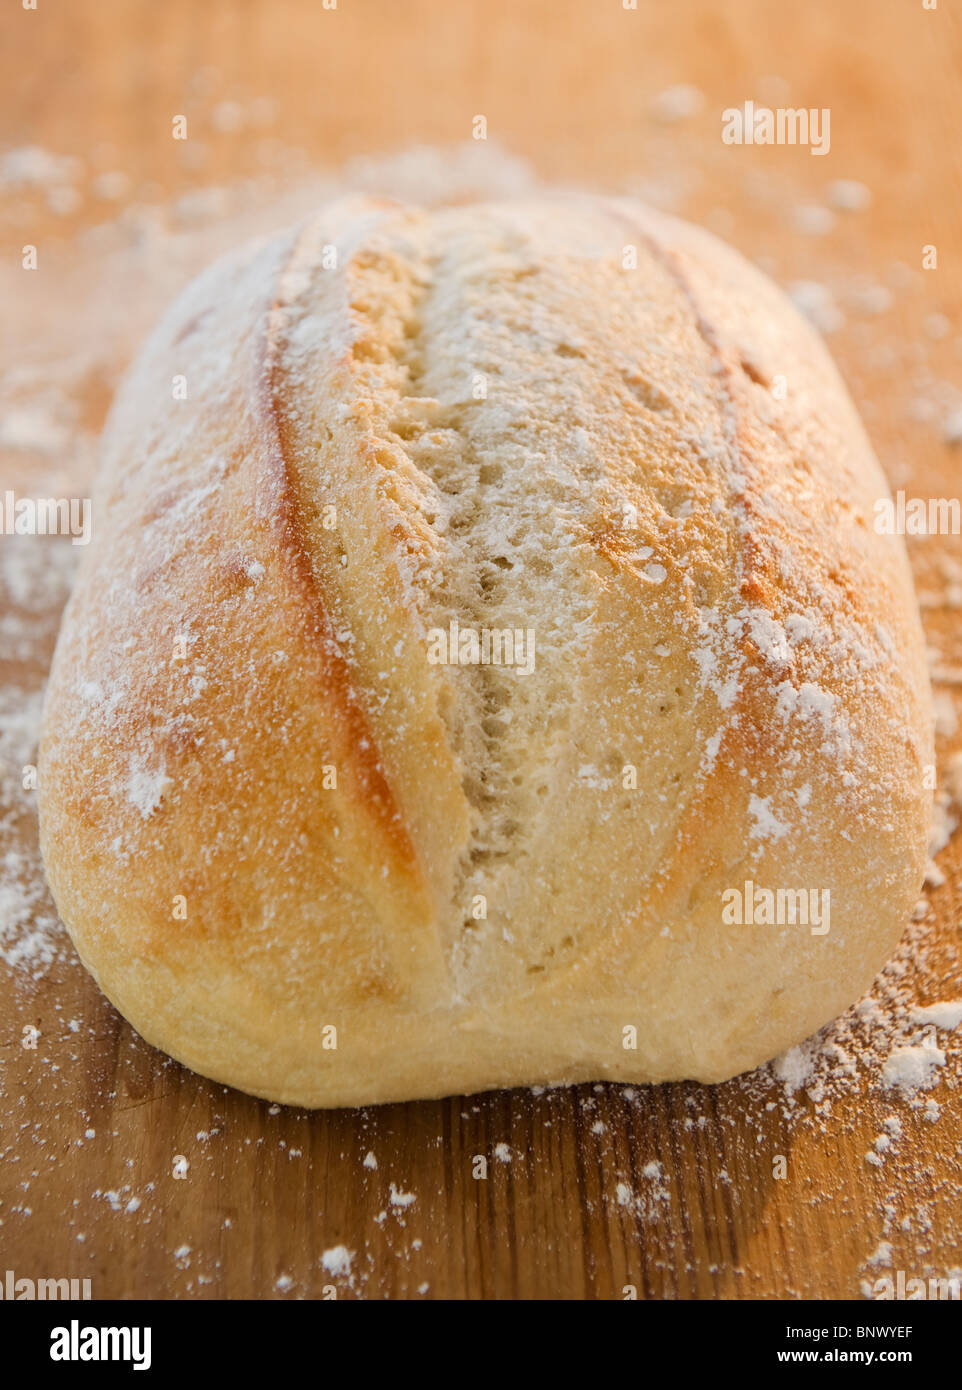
(266,814)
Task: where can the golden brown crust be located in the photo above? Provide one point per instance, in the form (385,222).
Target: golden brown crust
(265,813)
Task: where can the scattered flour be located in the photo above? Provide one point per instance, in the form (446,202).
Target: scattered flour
(913,1068)
(947,1015)
(337,1261)
(795,1067)
(145,789)
(880,1256)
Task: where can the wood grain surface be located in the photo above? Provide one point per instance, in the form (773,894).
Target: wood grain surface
(118,1165)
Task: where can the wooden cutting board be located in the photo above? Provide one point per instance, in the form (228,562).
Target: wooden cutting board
(119,1166)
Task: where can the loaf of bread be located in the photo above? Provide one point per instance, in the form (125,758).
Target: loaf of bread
(485,671)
